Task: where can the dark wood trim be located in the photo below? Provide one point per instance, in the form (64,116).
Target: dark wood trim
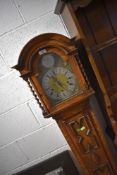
(75,4)
(104,45)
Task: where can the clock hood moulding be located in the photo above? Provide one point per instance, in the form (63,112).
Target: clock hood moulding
(38,43)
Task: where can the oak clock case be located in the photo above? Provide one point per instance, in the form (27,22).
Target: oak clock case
(50,65)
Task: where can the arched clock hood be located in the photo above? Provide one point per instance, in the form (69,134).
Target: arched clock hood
(39,43)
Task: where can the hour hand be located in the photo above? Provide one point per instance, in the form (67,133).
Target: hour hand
(59,83)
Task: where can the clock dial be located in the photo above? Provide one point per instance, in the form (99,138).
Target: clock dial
(48,60)
(59,83)
(57,78)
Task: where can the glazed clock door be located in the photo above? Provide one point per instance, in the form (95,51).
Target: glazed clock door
(57,78)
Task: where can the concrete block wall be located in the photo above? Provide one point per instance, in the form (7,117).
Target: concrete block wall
(26,138)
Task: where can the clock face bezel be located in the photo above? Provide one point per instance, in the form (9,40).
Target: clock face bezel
(39,89)
(59,83)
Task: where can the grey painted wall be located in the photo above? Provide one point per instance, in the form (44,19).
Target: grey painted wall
(25,137)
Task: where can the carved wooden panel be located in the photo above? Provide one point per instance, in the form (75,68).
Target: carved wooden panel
(87,142)
(83,131)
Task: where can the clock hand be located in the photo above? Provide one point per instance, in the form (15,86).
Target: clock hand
(59,83)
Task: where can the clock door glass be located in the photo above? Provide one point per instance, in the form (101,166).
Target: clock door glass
(57,78)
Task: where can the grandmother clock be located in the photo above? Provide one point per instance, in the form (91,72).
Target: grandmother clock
(50,64)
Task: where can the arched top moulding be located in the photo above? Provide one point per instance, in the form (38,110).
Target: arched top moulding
(43,41)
